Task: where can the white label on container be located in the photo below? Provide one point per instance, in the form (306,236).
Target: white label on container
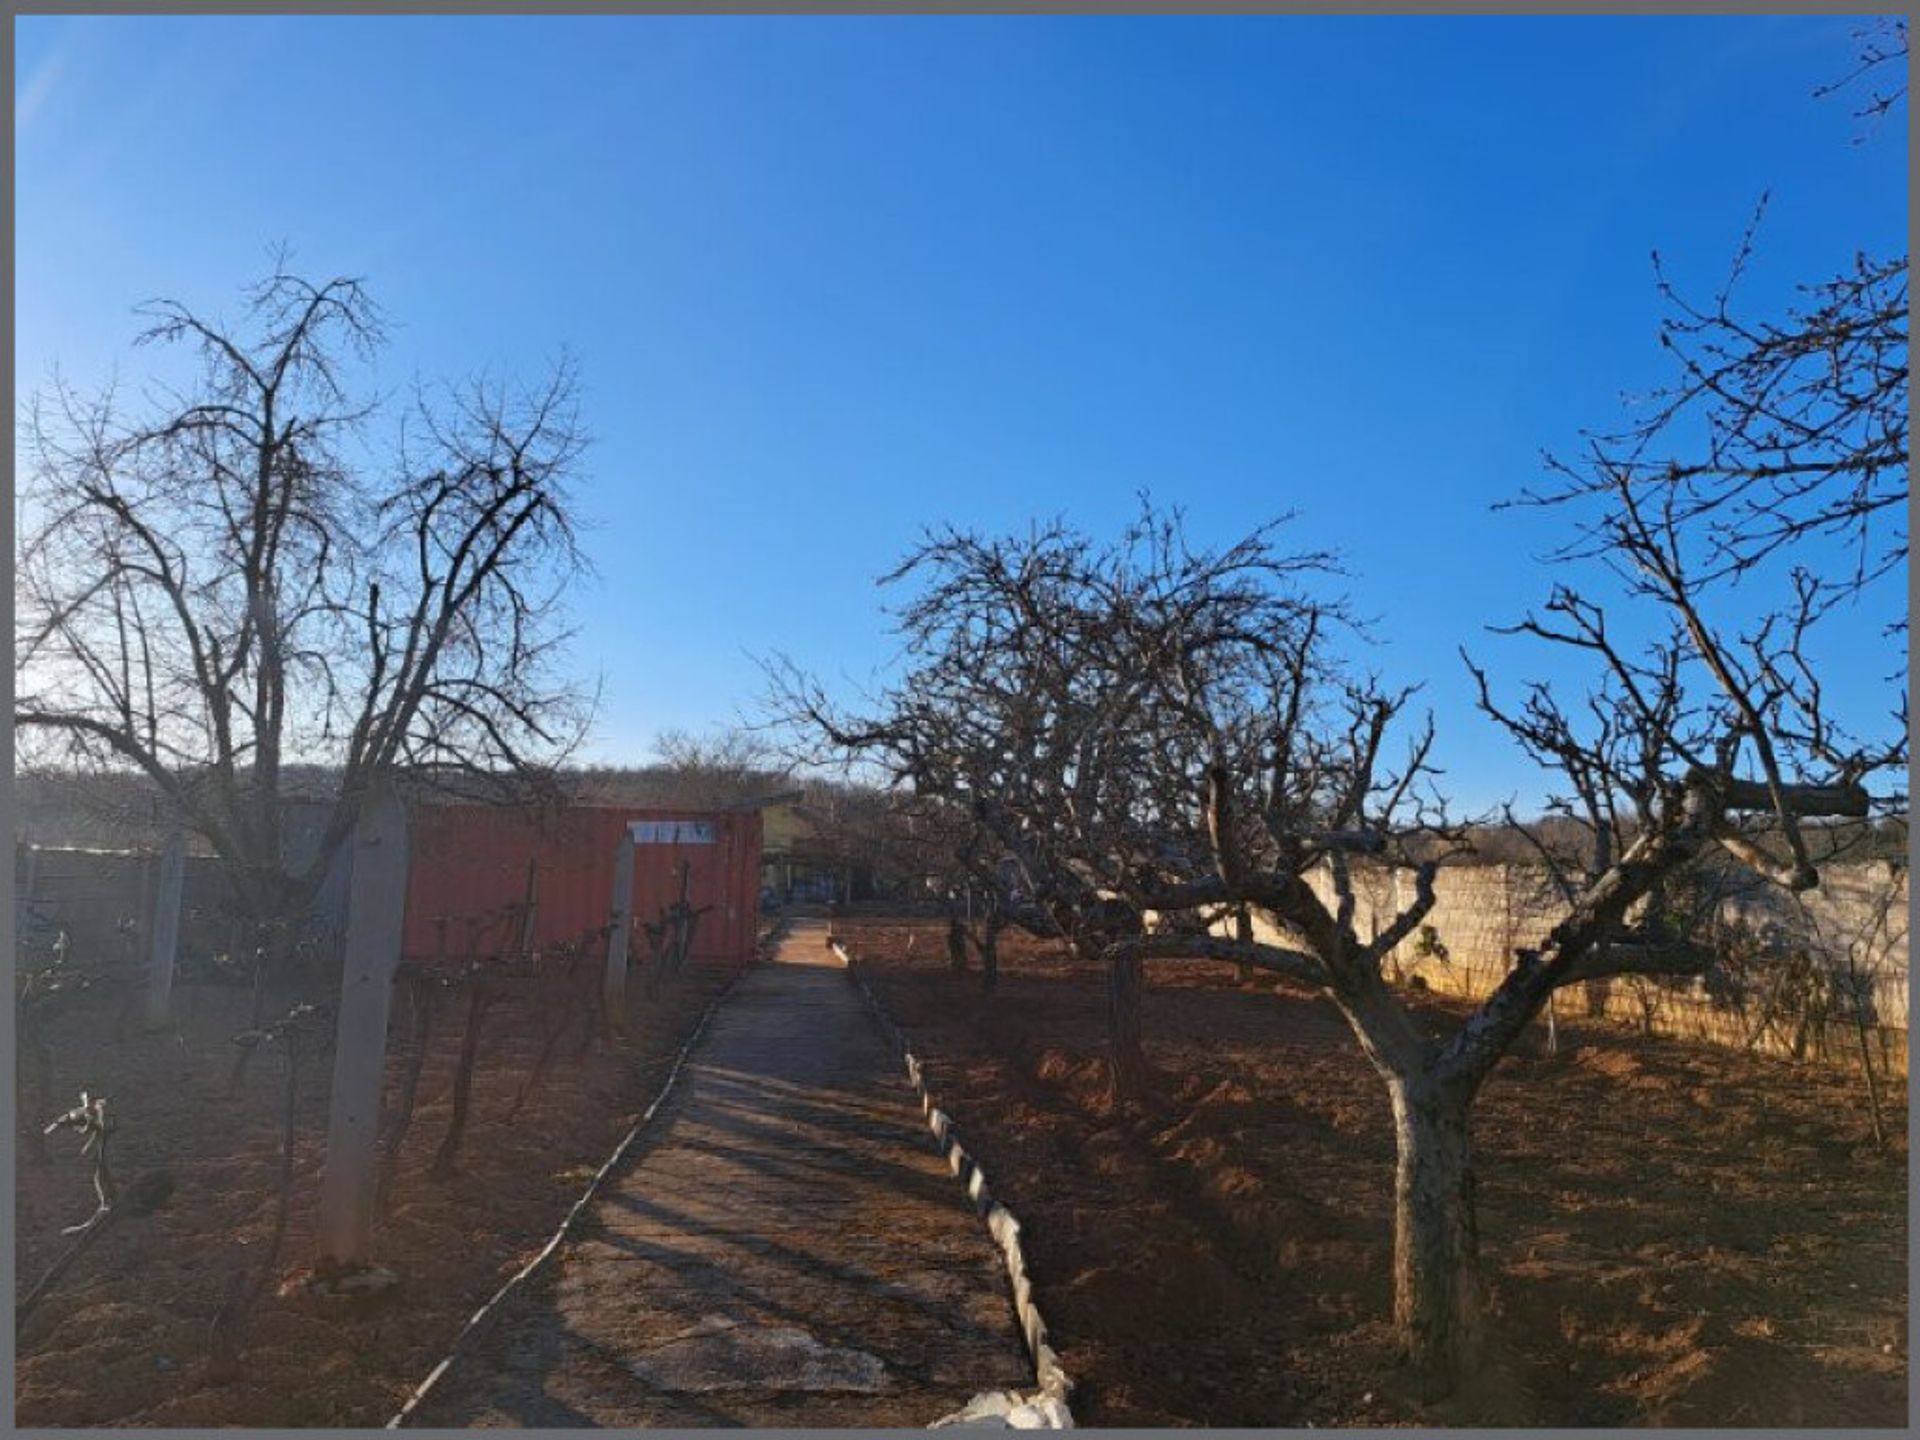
(671,832)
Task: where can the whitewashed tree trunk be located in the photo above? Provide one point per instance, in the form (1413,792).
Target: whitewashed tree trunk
(1436,1288)
(615,992)
(166,931)
(376,910)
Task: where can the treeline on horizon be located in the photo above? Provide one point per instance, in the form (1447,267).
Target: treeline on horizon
(123,810)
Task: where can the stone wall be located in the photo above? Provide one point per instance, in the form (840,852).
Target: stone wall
(1795,961)
(102,900)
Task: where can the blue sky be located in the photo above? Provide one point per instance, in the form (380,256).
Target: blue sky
(829,280)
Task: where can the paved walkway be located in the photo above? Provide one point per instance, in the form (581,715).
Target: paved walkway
(786,1249)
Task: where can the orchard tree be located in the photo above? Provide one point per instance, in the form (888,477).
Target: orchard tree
(1021,717)
(1754,504)
(1778,448)
(1158,737)
(723,768)
(217,582)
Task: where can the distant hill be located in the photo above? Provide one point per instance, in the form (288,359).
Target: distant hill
(125,811)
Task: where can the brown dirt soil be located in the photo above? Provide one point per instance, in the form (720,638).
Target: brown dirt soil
(1670,1234)
(122,1338)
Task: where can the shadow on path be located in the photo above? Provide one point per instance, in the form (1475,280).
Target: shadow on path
(783,1248)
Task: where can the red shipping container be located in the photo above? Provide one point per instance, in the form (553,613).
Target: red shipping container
(471,861)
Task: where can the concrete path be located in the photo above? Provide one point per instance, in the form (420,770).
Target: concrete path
(786,1249)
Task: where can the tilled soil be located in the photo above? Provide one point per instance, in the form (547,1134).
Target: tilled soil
(1671,1235)
(122,1338)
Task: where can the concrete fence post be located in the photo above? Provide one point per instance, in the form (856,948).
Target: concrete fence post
(23,893)
(615,992)
(376,910)
(166,931)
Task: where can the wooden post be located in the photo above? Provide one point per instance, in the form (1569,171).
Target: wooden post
(166,931)
(683,918)
(733,889)
(528,905)
(376,909)
(480,999)
(614,993)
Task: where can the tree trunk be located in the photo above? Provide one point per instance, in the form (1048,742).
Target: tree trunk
(1597,992)
(1873,1083)
(1126,982)
(686,941)
(228,1332)
(273,961)
(594,1024)
(480,999)
(990,957)
(420,993)
(1436,1291)
(957,944)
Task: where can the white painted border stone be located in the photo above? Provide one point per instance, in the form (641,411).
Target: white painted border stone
(1047,1409)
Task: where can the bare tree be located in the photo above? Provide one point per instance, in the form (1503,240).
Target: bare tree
(1880,47)
(1155,736)
(233,580)
(1721,759)
(1765,486)
(1777,431)
(872,837)
(726,767)
(1022,714)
